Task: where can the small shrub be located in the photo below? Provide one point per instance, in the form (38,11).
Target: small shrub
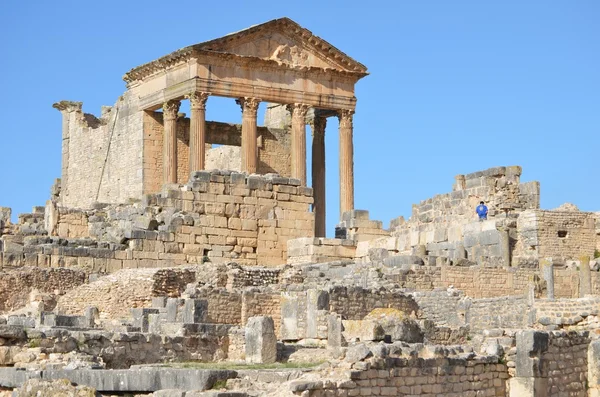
(220,384)
(596,254)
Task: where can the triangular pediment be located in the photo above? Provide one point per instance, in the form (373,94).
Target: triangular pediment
(286,42)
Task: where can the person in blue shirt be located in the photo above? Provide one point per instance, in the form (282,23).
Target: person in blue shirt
(482,211)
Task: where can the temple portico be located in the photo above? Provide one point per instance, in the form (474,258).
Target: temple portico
(277,62)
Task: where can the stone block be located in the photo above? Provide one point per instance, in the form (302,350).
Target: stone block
(400,260)
(289,316)
(195,311)
(362,330)
(530,347)
(261,342)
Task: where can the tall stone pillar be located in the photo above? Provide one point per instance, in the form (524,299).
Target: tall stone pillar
(585,276)
(299,111)
(547,270)
(318,173)
(346,161)
(170,110)
(197,130)
(249,135)
(298,154)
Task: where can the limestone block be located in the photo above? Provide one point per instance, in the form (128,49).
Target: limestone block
(335,329)
(530,346)
(289,316)
(261,342)
(363,330)
(528,387)
(594,367)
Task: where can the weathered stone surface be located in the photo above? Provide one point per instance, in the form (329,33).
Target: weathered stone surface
(54,388)
(261,342)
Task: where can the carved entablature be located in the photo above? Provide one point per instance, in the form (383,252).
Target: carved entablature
(278,61)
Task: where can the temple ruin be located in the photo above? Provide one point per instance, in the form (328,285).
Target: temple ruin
(164,265)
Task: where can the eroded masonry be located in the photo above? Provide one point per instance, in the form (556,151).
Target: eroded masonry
(183,257)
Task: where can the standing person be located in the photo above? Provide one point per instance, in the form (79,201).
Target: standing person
(482,211)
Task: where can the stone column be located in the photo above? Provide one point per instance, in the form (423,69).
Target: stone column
(585,276)
(249,147)
(318,173)
(547,270)
(170,110)
(197,130)
(531,373)
(505,245)
(299,111)
(346,161)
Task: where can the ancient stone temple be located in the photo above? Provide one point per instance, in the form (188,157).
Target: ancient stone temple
(133,148)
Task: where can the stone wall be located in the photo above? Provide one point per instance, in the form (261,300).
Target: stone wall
(171,282)
(565,312)
(439,222)
(256,302)
(218,217)
(354,303)
(101,157)
(441,307)
(390,375)
(566,363)
(116,350)
(560,235)
(16,285)
(223,307)
(502,312)
(243,276)
(319,249)
(273,149)
(113,294)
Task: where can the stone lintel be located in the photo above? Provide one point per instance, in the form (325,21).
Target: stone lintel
(228,89)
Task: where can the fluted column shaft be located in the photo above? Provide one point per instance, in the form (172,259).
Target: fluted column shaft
(170,110)
(249,135)
(346,161)
(298,155)
(197,130)
(318,173)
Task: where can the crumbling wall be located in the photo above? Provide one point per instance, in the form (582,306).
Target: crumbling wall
(262,303)
(113,294)
(354,303)
(16,285)
(501,312)
(565,312)
(218,217)
(560,235)
(441,307)
(446,224)
(223,307)
(390,375)
(566,363)
(171,282)
(102,157)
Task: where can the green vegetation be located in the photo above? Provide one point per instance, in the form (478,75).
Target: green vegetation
(220,384)
(596,254)
(34,343)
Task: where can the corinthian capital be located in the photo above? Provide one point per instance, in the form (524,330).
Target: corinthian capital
(249,105)
(170,109)
(198,100)
(68,106)
(345,117)
(298,109)
(317,126)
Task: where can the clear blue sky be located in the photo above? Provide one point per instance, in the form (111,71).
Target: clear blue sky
(454,87)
